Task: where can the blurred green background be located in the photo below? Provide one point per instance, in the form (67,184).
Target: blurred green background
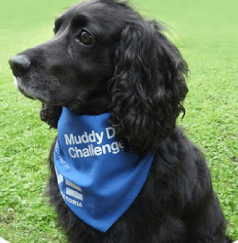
(205,31)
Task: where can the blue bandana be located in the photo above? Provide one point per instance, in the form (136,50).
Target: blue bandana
(97,178)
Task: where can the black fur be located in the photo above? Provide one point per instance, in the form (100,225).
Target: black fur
(126,66)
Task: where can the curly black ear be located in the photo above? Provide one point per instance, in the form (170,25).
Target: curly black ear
(147,88)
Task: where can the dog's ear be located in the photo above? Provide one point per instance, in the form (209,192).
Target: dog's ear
(147,88)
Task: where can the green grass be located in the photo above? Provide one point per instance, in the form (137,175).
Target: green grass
(205,32)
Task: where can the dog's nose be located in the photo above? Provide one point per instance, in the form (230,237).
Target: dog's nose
(19,65)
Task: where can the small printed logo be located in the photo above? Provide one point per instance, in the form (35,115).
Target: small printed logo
(76,192)
(73,193)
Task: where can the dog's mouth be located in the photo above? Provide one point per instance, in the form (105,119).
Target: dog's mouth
(45,88)
(23,89)
(32,88)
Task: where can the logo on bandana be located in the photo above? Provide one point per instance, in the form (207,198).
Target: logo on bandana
(97,178)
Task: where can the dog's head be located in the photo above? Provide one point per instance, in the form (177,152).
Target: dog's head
(104,57)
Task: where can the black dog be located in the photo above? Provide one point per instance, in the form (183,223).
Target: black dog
(105,58)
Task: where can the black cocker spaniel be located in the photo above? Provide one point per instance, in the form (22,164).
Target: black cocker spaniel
(105,58)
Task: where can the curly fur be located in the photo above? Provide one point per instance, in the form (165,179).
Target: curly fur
(148,85)
(133,71)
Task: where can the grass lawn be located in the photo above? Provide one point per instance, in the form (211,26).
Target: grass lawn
(205,32)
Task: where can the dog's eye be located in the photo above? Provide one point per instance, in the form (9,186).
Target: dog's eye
(86,38)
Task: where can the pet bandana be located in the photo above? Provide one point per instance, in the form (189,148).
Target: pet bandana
(97,178)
